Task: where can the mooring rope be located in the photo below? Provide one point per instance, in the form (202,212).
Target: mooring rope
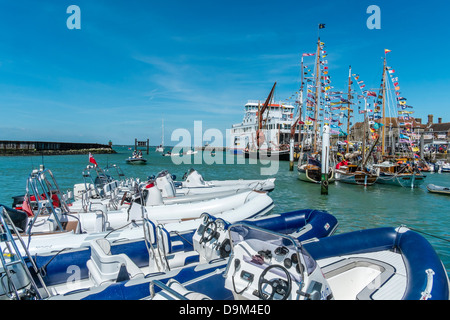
(428,234)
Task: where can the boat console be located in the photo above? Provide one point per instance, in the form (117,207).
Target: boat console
(270,266)
(211,239)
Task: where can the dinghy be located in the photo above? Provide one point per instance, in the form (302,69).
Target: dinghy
(107,267)
(438,189)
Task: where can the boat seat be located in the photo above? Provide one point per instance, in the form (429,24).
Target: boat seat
(105,267)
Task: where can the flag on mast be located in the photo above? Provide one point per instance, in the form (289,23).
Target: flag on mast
(386,51)
(92,160)
(321,25)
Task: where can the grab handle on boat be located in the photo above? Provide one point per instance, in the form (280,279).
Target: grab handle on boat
(426,294)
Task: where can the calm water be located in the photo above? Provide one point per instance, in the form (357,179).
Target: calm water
(355,207)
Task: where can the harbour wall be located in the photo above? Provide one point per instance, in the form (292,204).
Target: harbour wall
(15,148)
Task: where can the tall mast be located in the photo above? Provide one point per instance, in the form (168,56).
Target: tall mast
(384,104)
(349,103)
(317,104)
(300,106)
(162,135)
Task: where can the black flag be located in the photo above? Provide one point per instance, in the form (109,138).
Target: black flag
(321,25)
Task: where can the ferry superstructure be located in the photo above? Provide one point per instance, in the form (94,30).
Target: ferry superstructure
(279,119)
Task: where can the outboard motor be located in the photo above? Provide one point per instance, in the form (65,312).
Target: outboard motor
(17,202)
(194,179)
(154,196)
(165,183)
(19,218)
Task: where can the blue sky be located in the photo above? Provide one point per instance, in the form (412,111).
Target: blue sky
(133,63)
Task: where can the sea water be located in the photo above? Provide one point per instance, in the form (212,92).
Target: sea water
(355,207)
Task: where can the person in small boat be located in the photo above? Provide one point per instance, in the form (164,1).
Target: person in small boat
(134,154)
(140,154)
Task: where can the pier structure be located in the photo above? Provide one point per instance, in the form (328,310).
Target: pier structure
(145,144)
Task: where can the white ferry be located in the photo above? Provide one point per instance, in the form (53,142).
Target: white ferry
(279,119)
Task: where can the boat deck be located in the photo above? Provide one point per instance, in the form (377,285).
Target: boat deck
(376,276)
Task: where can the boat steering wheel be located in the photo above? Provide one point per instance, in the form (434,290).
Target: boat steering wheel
(207,238)
(278,285)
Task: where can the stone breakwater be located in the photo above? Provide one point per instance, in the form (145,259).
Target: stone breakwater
(25,148)
(34,152)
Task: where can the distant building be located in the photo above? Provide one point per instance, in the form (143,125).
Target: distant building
(393,131)
(434,133)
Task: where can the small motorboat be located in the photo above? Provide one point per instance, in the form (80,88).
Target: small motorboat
(136,160)
(438,189)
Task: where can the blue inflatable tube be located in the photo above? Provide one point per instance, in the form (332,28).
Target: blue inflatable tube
(426,275)
(319,224)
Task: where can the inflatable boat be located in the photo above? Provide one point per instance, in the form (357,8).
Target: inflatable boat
(171,194)
(438,189)
(372,264)
(193,182)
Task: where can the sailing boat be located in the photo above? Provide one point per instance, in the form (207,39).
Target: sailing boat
(261,148)
(160,148)
(353,172)
(402,172)
(309,166)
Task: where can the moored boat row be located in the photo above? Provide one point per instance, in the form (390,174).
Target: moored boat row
(124,249)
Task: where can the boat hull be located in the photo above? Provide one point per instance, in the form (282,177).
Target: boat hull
(313,175)
(438,189)
(402,180)
(136,161)
(358,178)
(281,155)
